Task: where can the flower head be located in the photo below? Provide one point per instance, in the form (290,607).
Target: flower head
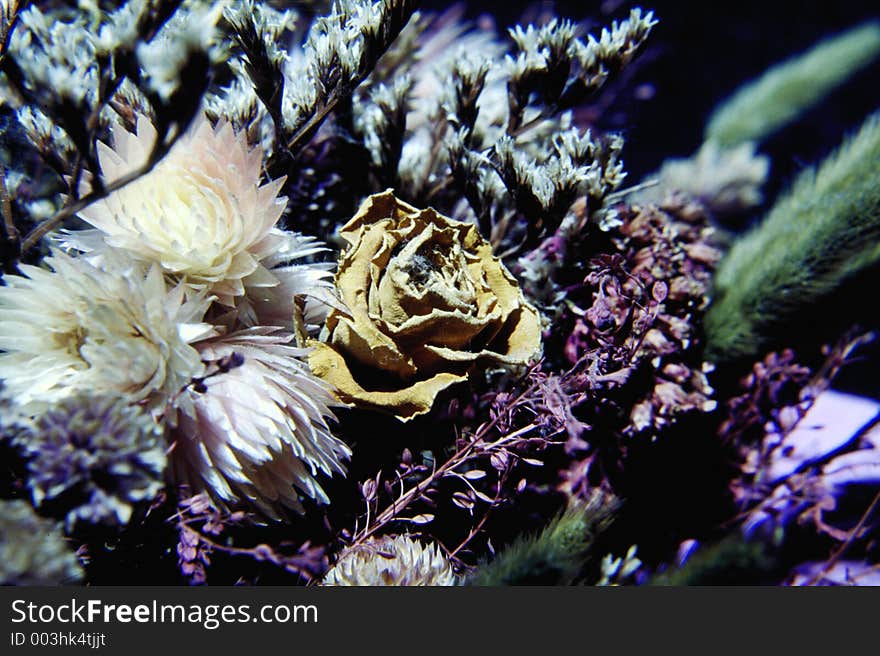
(32,550)
(101,453)
(200,212)
(255,427)
(426,301)
(391,561)
(118,330)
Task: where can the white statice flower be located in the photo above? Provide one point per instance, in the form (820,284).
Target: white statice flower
(391,561)
(447,43)
(76,327)
(201,214)
(189,30)
(255,428)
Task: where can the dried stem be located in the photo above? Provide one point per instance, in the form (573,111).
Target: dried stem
(13,12)
(10,248)
(11,238)
(479,525)
(852,535)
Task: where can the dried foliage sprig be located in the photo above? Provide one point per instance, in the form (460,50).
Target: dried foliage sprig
(490,453)
(477,129)
(340,52)
(798,465)
(848,537)
(10,13)
(819,234)
(257,29)
(382,124)
(67,78)
(554,70)
(200,526)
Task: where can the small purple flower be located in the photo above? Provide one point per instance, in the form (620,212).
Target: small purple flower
(98,456)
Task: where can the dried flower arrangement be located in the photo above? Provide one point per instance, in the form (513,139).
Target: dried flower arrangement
(356,296)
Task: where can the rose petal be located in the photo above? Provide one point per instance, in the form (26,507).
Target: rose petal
(414,400)
(426,299)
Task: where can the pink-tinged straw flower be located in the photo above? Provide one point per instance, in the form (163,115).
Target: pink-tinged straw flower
(74,327)
(200,213)
(255,427)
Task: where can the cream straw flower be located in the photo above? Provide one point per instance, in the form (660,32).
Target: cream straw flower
(391,561)
(255,427)
(81,328)
(200,213)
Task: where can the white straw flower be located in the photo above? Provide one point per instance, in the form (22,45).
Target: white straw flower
(256,427)
(200,213)
(77,327)
(391,561)
(272,304)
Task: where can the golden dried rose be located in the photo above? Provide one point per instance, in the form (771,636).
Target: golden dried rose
(426,301)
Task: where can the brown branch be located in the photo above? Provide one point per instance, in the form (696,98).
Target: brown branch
(108,89)
(10,235)
(402,12)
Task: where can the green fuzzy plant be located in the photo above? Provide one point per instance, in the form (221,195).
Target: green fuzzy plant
(818,234)
(790,88)
(732,561)
(557,554)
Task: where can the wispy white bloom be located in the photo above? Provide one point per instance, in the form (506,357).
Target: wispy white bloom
(200,213)
(391,561)
(78,327)
(271,304)
(255,427)
(192,29)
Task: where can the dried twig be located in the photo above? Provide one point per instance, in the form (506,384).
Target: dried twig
(853,534)
(47,226)
(11,239)
(196,519)
(475,447)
